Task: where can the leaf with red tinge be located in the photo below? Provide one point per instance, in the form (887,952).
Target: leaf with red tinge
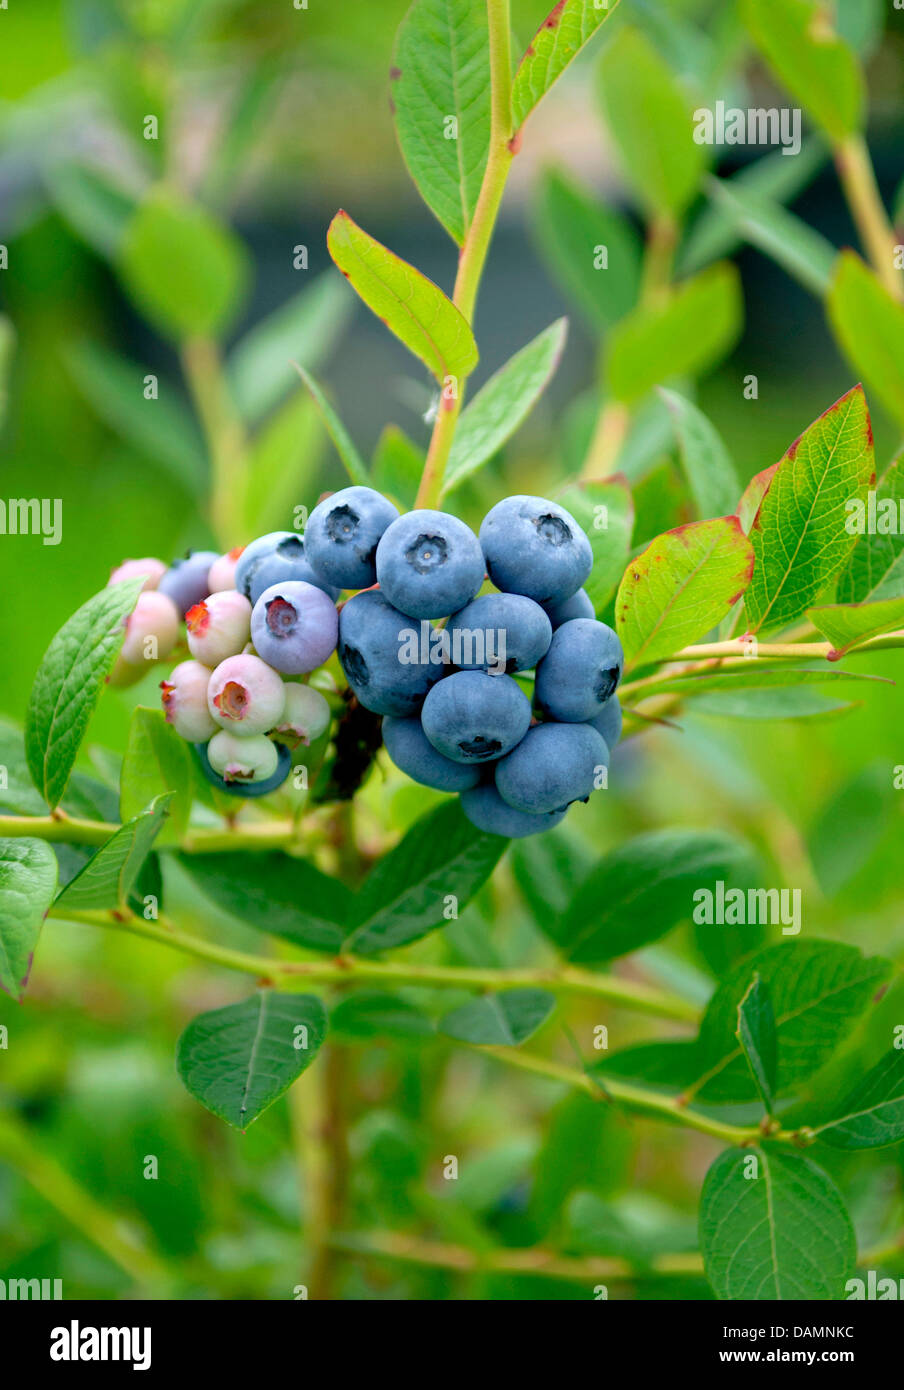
(28,882)
(568,26)
(846,625)
(753,495)
(683,584)
(411,306)
(799,537)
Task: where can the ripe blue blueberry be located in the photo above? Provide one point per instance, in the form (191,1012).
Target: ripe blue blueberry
(186,581)
(609,723)
(429,564)
(553,765)
(485,808)
(247,789)
(414,754)
(499,630)
(372,643)
(294,627)
(578,606)
(473,717)
(535,547)
(580,671)
(342,534)
(276,558)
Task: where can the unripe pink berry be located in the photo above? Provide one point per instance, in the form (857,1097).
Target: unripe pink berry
(184,699)
(219,626)
(306,716)
(222,571)
(242,759)
(152,630)
(153,571)
(246,695)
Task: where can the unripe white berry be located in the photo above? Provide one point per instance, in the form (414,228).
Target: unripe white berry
(152,630)
(218,627)
(222,571)
(184,701)
(306,716)
(153,571)
(246,695)
(242,759)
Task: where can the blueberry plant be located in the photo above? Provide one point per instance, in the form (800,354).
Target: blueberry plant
(304,664)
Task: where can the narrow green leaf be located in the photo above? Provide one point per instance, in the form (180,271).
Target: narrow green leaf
(586,1144)
(568,26)
(723,702)
(237,1061)
(503,404)
(355,466)
(157,760)
(547,869)
(505,1019)
(869,326)
(28,882)
(283,464)
(683,336)
(370,1014)
(680,587)
(876,569)
(109,876)
(851,825)
(799,538)
(794,245)
(773,1226)
(95,206)
(606,513)
(847,625)
(18,797)
(709,469)
(68,685)
(411,306)
(276,893)
(873,1114)
(756,1034)
(397,466)
(752,497)
(818,68)
(7,348)
(441,99)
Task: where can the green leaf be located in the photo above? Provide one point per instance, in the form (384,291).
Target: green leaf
(873,1114)
(546,870)
(397,466)
(157,760)
(683,336)
(818,68)
(374,1015)
(586,1144)
(756,1034)
(162,430)
(752,497)
(18,797)
(355,466)
(641,890)
(849,828)
(276,893)
(709,469)
(876,569)
(680,587)
(7,349)
(724,702)
(606,513)
(440,75)
(28,882)
(411,306)
(185,271)
(847,625)
(305,328)
(68,685)
(799,538)
(650,120)
(96,208)
(439,865)
(869,326)
(794,245)
(503,404)
(773,1226)
(283,464)
(574,231)
(568,26)
(109,876)
(237,1061)
(505,1019)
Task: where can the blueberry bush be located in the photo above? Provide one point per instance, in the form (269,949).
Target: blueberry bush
(362,735)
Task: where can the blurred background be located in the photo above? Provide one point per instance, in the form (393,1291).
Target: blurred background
(269,119)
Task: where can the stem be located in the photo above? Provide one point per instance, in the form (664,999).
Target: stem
(662,239)
(324,1144)
(224,433)
(70,830)
(608,437)
(858,180)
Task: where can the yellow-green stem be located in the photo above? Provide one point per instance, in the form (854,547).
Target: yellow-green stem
(858,179)
(225,437)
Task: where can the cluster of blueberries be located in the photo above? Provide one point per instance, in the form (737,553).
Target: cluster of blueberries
(452,693)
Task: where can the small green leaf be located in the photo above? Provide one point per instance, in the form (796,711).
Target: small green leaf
(773,1226)
(503,404)
(440,75)
(109,876)
(873,1114)
(710,471)
(876,569)
(505,1019)
(374,1015)
(355,466)
(752,497)
(411,306)
(794,245)
(606,513)
(397,465)
(847,625)
(283,464)
(799,538)
(568,26)
(683,336)
(275,893)
(817,67)
(869,326)
(157,760)
(237,1061)
(28,882)
(680,587)
(186,271)
(756,1034)
(94,205)
(68,685)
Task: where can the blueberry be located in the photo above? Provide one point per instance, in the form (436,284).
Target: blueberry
(429,564)
(222,572)
(275,559)
(152,571)
(186,581)
(535,547)
(306,716)
(473,717)
(414,754)
(578,606)
(373,641)
(242,759)
(294,627)
(552,766)
(246,695)
(218,626)
(184,700)
(499,630)
(609,723)
(246,789)
(580,671)
(342,534)
(485,808)
(152,630)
